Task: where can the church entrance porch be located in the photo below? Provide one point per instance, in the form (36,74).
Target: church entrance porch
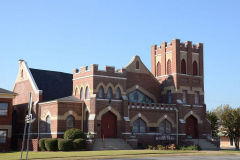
(192,127)
(109,125)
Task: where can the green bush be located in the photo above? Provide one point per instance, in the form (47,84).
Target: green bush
(41,144)
(51,144)
(161,147)
(79,144)
(65,145)
(190,147)
(73,134)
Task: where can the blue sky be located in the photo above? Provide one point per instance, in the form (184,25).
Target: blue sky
(62,35)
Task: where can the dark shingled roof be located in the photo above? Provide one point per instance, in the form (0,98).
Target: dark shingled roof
(69,98)
(54,84)
(6,91)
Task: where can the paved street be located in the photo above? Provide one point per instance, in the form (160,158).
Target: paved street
(186,158)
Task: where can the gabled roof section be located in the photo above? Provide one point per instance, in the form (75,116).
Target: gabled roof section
(131,67)
(54,84)
(4,91)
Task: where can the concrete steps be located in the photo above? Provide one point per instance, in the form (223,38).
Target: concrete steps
(111,144)
(205,145)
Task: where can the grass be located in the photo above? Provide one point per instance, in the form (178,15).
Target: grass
(112,154)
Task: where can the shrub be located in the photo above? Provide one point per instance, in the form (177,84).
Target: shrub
(73,134)
(172,147)
(79,144)
(150,147)
(51,144)
(41,144)
(160,147)
(65,144)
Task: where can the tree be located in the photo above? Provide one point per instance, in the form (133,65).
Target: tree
(230,122)
(214,120)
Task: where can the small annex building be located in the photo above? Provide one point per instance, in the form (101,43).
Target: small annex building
(6,98)
(161,106)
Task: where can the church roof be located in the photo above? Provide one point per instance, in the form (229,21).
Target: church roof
(69,99)
(4,91)
(54,84)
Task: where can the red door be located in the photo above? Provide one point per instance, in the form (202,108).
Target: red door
(109,123)
(191,127)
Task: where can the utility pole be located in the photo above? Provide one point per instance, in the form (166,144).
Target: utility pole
(28,120)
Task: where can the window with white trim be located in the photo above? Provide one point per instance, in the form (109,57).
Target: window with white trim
(3,136)
(3,109)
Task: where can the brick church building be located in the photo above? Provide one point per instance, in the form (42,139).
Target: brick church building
(164,105)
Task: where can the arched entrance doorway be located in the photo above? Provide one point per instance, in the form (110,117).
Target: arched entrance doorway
(192,127)
(109,125)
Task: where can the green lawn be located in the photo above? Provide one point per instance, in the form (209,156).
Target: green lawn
(111,154)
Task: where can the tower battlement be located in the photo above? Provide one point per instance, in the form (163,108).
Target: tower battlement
(94,70)
(183,46)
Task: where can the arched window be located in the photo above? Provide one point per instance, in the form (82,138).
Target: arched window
(87,117)
(195,68)
(70,122)
(137,96)
(169,67)
(87,93)
(109,93)
(137,65)
(158,69)
(139,126)
(100,93)
(76,91)
(169,96)
(81,94)
(48,122)
(183,66)
(118,93)
(22,73)
(165,127)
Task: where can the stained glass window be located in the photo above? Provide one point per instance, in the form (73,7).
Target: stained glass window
(48,122)
(3,136)
(100,92)
(137,96)
(184,96)
(197,97)
(165,127)
(118,93)
(70,122)
(87,93)
(169,97)
(109,93)
(3,109)
(139,126)
(81,94)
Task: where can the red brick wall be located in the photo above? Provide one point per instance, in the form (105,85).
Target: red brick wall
(145,81)
(33,145)
(6,120)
